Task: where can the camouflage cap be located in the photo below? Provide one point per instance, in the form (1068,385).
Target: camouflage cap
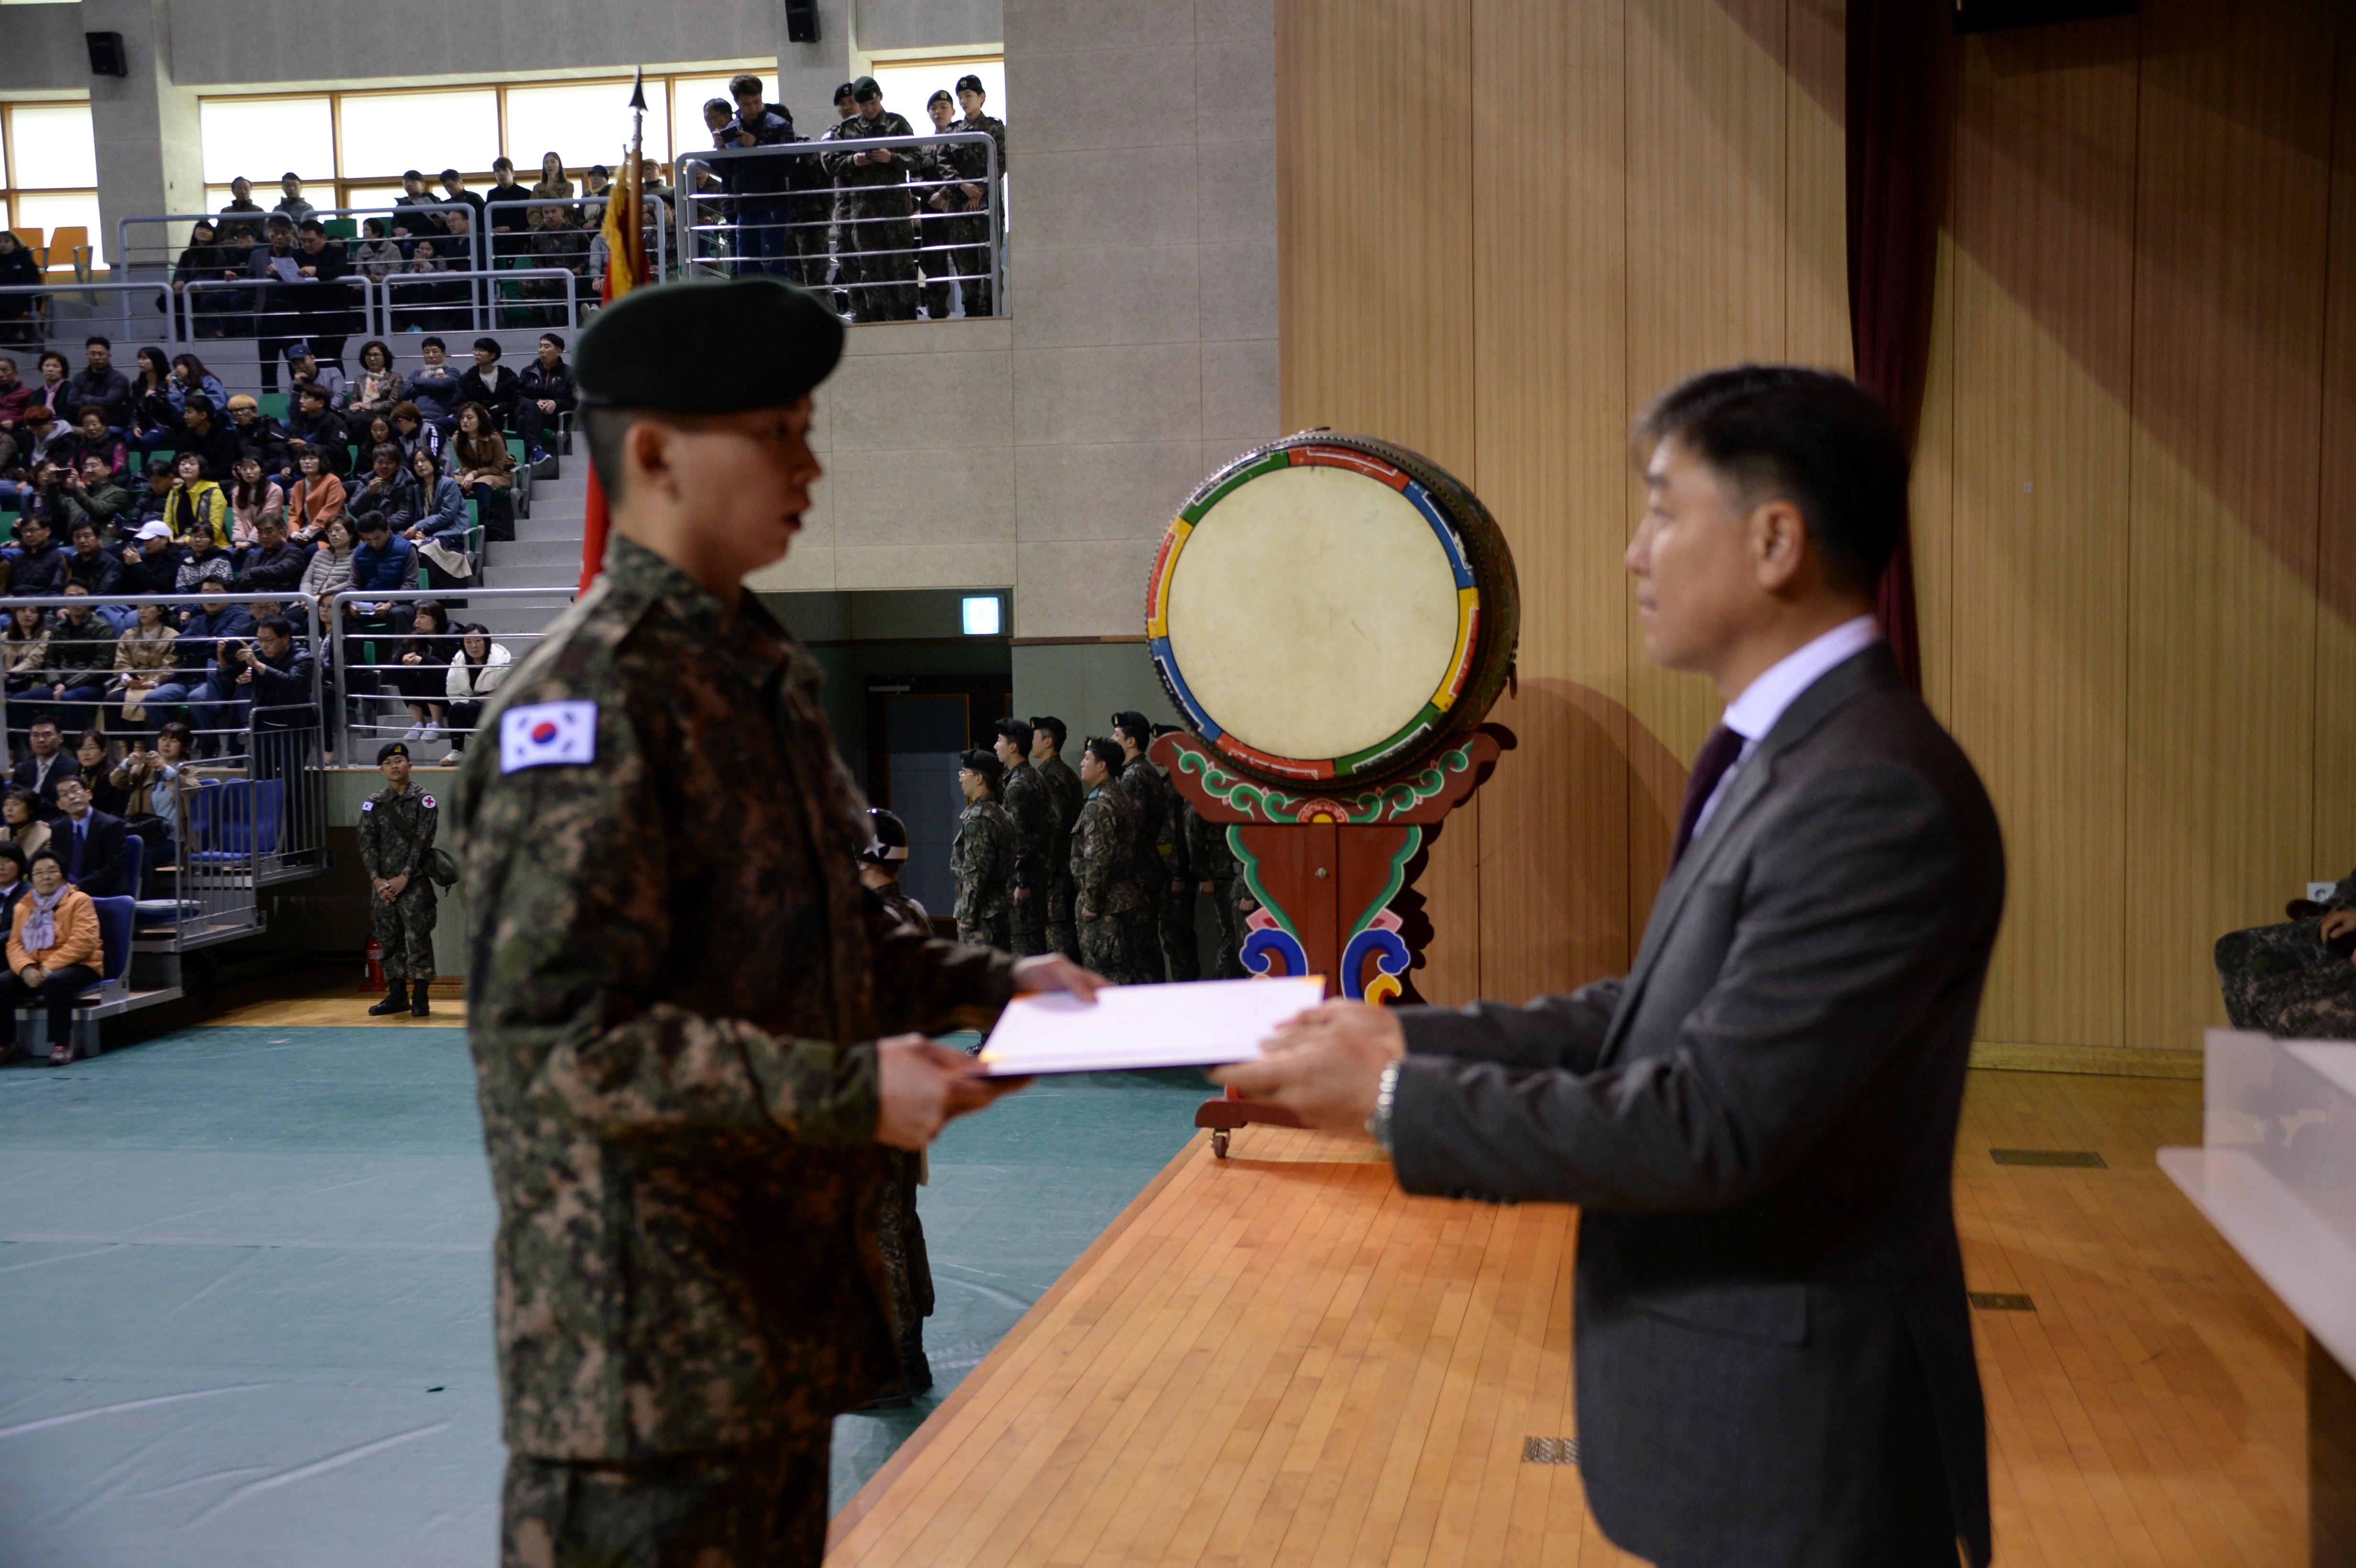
(707,348)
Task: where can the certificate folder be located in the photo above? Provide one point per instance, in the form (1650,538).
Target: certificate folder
(1199,1023)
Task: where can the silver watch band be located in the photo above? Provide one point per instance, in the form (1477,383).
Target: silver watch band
(1386,1092)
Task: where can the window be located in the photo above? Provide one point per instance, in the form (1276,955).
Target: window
(48,173)
(263,138)
(380,134)
(583,124)
(906,85)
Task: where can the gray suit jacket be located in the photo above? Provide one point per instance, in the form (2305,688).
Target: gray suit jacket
(1775,1350)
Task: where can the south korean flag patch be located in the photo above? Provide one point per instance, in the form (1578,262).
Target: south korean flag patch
(548,734)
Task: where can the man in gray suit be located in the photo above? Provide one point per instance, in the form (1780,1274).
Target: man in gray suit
(1775,1350)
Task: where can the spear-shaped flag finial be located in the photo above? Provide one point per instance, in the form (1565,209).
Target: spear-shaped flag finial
(638,91)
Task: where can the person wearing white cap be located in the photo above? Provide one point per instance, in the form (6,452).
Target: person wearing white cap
(151,564)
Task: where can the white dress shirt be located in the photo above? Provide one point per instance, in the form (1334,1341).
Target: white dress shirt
(1779,685)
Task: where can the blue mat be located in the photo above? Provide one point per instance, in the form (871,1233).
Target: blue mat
(246,1272)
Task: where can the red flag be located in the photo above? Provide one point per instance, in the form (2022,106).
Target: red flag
(626,269)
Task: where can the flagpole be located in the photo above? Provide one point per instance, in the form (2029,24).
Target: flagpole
(626,260)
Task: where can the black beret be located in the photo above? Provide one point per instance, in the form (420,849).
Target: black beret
(986,763)
(841,93)
(389,751)
(707,348)
(865,86)
(1133,724)
(969,81)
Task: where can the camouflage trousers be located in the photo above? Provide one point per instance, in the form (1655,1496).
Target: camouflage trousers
(1142,937)
(736,1508)
(404,929)
(995,932)
(2283,980)
(882,257)
(1103,945)
(1026,920)
(905,1261)
(1228,965)
(1180,943)
(1062,933)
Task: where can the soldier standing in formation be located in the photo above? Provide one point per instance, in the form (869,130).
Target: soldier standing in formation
(691,1048)
(397,826)
(879,234)
(973,264)
(1106,904)
(982,857)
(1180,943)
(907,1266)
(1065,788)
(1156,830)
(2296,980)
(1030,806)
(1213,862)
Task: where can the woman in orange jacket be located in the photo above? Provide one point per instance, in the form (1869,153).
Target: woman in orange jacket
(53,953)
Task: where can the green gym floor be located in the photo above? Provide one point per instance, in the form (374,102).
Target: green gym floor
(246,1275)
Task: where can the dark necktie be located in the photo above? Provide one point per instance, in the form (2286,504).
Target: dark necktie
(1717,754)
(75,870)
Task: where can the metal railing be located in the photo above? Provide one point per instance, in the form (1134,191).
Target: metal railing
(39,322)
(816,233)
(156,258)
(391,692)
(93,693)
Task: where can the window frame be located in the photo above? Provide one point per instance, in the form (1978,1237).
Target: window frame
(10,191)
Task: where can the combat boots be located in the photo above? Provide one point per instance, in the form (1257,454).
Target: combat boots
(396,996)
(417,1008)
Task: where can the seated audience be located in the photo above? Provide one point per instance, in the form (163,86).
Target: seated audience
(93,439)
(90,750)
(158,780)
(144,658)
(254,497)
(272,563)
(197,508)
(190,379)
(308,370)
(315,427)
(204,560)
(54,393)
(422,669)
(151,562)
(81,659)
(435,388)
(329,570)
(378,257)
(258,434)
(475,671)
(89,497)
(412,217)
(486,470)
(93,567)
(202,433)
(97,384)
(378,386)
(147,503)
(44,444)
(90,841)
(412,430)
(490,383)
(315,498)
(23,657)
(155,405)
(54,955)
(13,882)
(22,826)
(386,490)
(50,764)
(40,569)
(544,395)
(441,526)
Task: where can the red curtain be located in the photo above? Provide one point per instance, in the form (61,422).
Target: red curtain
(1896,53)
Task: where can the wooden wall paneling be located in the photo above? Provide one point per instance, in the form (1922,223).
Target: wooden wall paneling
(1551,338)
(1932,501)
(2334,830)
(1815,190)
(2233,196)
(1707,261)
(1374,291)
(2035,678)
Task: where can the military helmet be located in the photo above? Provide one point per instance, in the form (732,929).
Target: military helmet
(890,841)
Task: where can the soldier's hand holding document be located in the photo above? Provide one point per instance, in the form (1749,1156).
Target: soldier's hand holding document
(1202,1023)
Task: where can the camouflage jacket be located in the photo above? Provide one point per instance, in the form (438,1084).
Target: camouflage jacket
(1104,847)
(1210,856)
(968,163)
(673,997)
(982,861)
(874,190)
(1032,811)
(1065,788)
(906,910)
(1157,826)
(396,830)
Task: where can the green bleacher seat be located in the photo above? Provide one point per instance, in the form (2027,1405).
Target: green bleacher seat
(515,445)
(340,228)
(273,405)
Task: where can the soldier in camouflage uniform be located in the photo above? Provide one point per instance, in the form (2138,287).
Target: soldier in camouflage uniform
(1213,865)
(397,826)
(1032,808)
(899,1233)
(983,856)
(1064,788)
(1157,827)
(878,230)
(2287,979)
(973,262)
(1104,849)
(1181,944)
(675,1003)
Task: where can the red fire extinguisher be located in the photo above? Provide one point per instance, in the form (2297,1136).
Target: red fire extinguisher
(373,971)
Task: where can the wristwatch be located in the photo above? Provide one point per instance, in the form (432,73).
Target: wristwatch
(1385,1091)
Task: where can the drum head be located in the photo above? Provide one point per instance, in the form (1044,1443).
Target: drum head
(1332,608)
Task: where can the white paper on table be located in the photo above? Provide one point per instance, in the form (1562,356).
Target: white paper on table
(1198,1023)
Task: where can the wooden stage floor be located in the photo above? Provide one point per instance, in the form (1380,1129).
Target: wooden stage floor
(1278,1360)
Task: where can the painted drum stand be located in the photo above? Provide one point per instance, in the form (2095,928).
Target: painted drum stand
(1333,616)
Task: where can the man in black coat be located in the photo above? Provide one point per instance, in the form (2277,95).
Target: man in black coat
(90,841)
(491,384)
(48,765)
(1774,1348)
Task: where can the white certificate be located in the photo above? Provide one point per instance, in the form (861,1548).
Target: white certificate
(1201,1023)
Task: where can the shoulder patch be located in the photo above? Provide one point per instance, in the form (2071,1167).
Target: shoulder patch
(548,734)
(426,801)
(367,805)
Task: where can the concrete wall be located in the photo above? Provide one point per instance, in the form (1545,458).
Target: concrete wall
(43,49)
(929,24)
